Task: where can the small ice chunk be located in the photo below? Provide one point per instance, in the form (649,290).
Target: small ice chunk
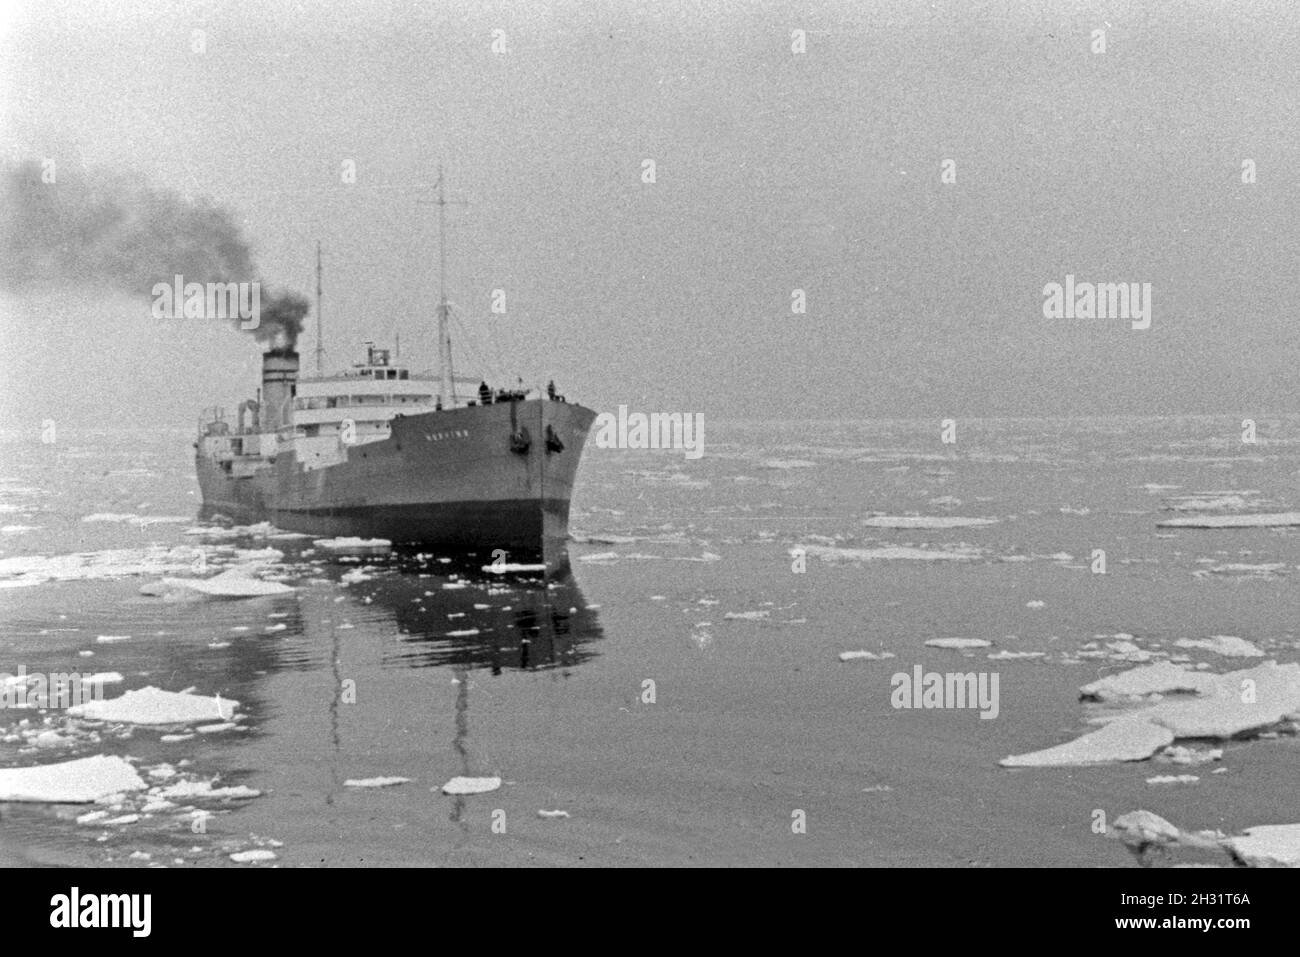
(865,655)
(1173,779)
(251,857)
(355,546)
(959,643)
(1177,754)
(374,782)
(1140,829)
(552,814)
(746,615)
(464,785)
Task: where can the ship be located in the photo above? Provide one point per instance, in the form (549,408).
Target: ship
(381,451)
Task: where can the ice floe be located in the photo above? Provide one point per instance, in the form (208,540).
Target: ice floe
(1263,520)
(865,655)
(198,790)
(1208,502)
(229,584)
(137,519)
(464,785)
(833,554)
(1163,677)
(258,530)
(88,566)
(1233,704)
(253,856)
(70,782)
(925,521)
(1227,645)
(958,643)
(354,545)
(602,538)
(1118,741)
(1267,845)
(151,706)
(1189,757)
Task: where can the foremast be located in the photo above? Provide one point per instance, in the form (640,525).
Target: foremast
(445,376)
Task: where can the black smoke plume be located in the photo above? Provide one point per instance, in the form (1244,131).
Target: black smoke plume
(107,230)
(283,313)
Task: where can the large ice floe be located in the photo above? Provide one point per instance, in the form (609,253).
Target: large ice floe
(109,563)
(925,521)
(1259,520)
(1150,837)
(234,583)
(70,782)
(835,554)
(153,706)
(1220,707)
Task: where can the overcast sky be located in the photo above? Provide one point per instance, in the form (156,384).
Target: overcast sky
(775,171)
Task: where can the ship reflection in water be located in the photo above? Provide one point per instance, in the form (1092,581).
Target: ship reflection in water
(479,620)
(440,613)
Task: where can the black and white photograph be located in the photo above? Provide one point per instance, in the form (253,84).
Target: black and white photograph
(651,434)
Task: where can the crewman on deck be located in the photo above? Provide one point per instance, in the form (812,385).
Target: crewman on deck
(484,394)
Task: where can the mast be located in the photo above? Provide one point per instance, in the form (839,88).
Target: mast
(320,342)
(444,344)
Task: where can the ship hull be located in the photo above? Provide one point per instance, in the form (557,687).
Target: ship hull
(446,478)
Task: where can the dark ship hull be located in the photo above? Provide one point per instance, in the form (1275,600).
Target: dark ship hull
(481,477)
